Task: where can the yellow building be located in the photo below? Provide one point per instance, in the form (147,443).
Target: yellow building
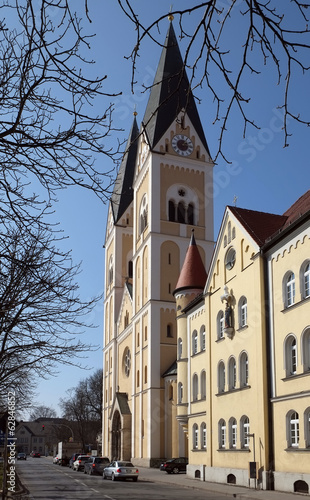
(246,401)
(163,190)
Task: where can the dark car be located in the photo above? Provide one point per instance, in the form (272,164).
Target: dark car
(21,456)
(174,465)
(95,465)
(36,455)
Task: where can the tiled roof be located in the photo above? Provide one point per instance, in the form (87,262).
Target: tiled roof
(259,225)
(172,370)
(263,226)
(193,273)
(299,208)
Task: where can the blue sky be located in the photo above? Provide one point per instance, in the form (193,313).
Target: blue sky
(263,175)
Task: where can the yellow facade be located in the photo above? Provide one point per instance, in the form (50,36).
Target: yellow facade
(255,403)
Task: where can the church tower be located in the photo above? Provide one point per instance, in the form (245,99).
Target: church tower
(163,190)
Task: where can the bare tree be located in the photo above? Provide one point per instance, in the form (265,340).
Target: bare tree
(41,313)
(42,411)
(271,35)
(84,407)
(50,130)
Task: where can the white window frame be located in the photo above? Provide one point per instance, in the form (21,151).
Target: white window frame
(293,429)
(203,435)
(232,369)
(195,437)
(244,369)
(195,387)
(290,289)
(222,434)
(194,342)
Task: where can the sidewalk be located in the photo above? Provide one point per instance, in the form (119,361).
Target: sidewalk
(239,492)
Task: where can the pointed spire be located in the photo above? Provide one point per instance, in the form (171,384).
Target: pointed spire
(122,194)
(193,274)
(170,94)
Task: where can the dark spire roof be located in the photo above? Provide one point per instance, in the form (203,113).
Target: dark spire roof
(170,94)
(122,194)
(193,274)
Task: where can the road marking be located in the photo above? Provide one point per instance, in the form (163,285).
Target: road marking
(96,491)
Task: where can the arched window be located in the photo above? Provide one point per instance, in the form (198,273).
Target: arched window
(222,433)
(169,330)
(138,378)
(245,431)
(306,281)
(232,433)
(190,214)
(195,387)
(143,214)
(110,275)
(290,290)
(130,269)
(244,369)
(145,374)
(307,427)
(194,342)
(243,312)
(195,437)
(290,355)
(220,325)
(293,429)
(306,350)
(203,384)
(229,232)
(221,377)
(181,212)
(203,338)
(180,345)
(232,374)
(171,211)
(203,436)
(180,392)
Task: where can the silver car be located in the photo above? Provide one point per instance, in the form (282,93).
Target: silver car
(121,470)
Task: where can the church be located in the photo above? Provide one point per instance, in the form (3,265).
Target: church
(206,344)
(159,196)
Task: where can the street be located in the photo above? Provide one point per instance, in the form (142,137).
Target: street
(46,481)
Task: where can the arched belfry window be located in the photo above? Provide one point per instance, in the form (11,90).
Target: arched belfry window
(143,214)
(182,205)
(181,212)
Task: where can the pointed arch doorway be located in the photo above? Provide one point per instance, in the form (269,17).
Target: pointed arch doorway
(120,442)
(116,436)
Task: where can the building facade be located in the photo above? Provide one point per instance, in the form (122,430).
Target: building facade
(206,346)
(160,194)
(245,407)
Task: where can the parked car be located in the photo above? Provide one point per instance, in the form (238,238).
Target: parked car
(21,456)
(174,465)
(64,461)
(95,465)
(73,459)
(36,454)
(121,470)
(79,462)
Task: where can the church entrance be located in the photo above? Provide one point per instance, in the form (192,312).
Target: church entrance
(116,437)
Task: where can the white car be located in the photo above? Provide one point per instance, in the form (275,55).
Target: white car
(79,462)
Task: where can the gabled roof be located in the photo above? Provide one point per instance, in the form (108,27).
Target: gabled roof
(259,225)
(172,370)
(193,274)
(170,94)
(122,194)
(263,226)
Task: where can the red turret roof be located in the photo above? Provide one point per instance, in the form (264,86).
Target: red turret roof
(193,274)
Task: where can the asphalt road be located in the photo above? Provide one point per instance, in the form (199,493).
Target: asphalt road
(46,481)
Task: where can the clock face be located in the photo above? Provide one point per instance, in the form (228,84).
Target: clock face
(182,145)
(230,258)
